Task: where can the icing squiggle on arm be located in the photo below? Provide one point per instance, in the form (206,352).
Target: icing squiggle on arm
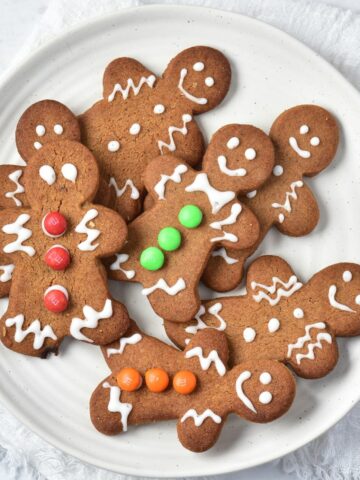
(14,177)
(120,191)
(221,252)
(201,325)
(91,320)
(133,340)
(186,118)
(122,258)
(162,285)
(116,406)
(289,287)
(192,98)
(199,418)
(23,234)
(8,270)
(288,196)
(230,220)
(130,85)
(35,328)
(205,362)
(175,177)
(311,346)
(92,233)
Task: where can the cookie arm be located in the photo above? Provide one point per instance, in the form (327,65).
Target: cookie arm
(16,232)
(11,186)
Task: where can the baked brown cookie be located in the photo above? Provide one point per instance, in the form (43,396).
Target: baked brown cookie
(283,319)
(305,139)
(142,116)
(194,211)
(152,381)
(59,286)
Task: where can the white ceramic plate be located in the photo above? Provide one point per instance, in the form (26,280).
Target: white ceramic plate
(271,72)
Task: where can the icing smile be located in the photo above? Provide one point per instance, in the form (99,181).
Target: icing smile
(294,145)
(200,101)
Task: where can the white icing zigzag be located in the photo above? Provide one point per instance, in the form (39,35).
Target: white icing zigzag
(92,233)
(230,220)
(311,346)
(133,340)
(205,362)
(186,118)
(35,327)
(91,320)
(175,177)
(116,406)
(288,196)
(8,270)
(120,191)
(14,176)
(120,259)
(162,285)
(221,252)
(23,234)
(216,198)
(149,81)
(199,418)
(291,286)
(201,325)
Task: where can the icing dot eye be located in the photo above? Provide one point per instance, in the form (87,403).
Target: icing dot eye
(152,258)
(209,81)
(48,174)
(347,276)
(265,398)
(249,334)
(250,154)
(251,194)
(135,129)
(159,108)
(278,170)
(265,378)
(298,313)
(304,129)
(198,66)
(69,172)
(169,239)
(357,300)
(184,382)
(315,141)
(156,380)
(273,325)
(37,145)
(40,130)
(232,143)
(129,379)
(58,129)
(190,216)
(113,146)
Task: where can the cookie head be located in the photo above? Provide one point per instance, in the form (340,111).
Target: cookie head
(61,172)
(45,122)
(307,134)
(201,75)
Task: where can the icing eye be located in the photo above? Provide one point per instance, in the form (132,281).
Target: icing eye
(37,145)
(232,143)
(69,172)
(265,398)
(347,276)
(249,334)
(265,378)
(315,141)
(298,313)
(48,174)
(58,129)
(250,154)
(304,129)
(278,170)
(113,146)
(357,300)
(159,108)
(134,129)
(40,130)
(198,66)
(209,81)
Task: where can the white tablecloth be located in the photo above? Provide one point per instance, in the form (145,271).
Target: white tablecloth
(334,34)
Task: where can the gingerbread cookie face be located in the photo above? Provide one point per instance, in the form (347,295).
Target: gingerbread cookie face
(194,211)
(283,319)
(58,286)
(142,116)
(305,140)
(189,386)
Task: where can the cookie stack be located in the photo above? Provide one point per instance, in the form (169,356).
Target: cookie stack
(128,190)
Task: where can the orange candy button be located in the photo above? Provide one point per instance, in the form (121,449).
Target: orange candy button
(129,379)
(156,380)
(184,382)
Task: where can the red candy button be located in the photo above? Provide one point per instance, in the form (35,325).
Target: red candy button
(56,299)
(54,224)
(57,257)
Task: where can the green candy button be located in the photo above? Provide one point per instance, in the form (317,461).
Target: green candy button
(190,216)
(152,258)
(169,239)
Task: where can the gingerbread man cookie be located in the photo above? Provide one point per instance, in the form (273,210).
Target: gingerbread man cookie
(152,381)
(142,116)
(305,139)
(283,319)
(194,211)
(59,286)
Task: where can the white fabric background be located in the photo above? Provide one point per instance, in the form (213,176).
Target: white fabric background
(335,35)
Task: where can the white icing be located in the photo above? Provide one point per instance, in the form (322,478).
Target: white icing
(23,234)
(273,325)
(174,177)
(57,287)
(199,419)
(58,129)
(278,170)
(304,129)
(120,259)
(159,109)
(198,66)
(149,81)
(35,328)
(14,177)
(233,143)
(251,194)
(294,145)
(216,198)
(307,338)
(357,299)
(249,334)
(209,81)
(201,325)
(40,130)
(334,303)
(47,173)
(347,276)
(286,289)
(192,98)
(69,171)
(162,285)
(288,196)
(227,237)
(37,145)
(298,313)
(135,129)
(230,220)
(250,154)
(236,172)
(281,217)
(221,252)
(116,406)
(265,378)
(205,362)
(92,233)
(242,378)
(133,340)
(171,146)
(265,398)
(91,320)
(8,270)
(113,146)
(120,191)
(315,141)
